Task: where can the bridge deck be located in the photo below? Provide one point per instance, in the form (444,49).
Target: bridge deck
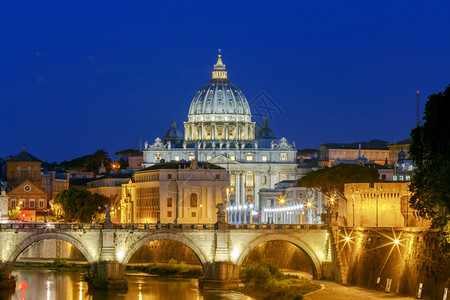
(142,226)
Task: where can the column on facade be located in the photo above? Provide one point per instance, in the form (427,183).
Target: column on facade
(243,192)
(238,127)
(237,187)
(243,189)
(256,190)
(226,131)
(213,131)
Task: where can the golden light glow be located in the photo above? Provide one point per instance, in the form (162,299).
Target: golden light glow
(235,253)
(395,242)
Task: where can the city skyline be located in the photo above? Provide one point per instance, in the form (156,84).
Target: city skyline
(78,78)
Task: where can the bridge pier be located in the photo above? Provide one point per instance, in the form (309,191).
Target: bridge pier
(109,269)
(220,275)
(6,281)
(108,275)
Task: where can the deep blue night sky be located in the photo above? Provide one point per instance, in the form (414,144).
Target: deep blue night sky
(92,75)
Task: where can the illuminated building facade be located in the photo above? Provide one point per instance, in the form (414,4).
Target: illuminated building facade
(174,192)
(220,130)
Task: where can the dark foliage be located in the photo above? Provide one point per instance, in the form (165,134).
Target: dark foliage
(430,151)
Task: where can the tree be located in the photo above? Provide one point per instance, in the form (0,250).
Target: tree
(80,205)
(14,214)
(124,155)
(430,150)
(331,181)
(89,163)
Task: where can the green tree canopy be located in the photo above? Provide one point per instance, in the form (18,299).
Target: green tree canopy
(430,151)
(89,163)
(80,205)
(124,155)
(331,181)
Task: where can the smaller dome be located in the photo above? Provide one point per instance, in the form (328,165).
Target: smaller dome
(401,155)
(265,131)
(173,135)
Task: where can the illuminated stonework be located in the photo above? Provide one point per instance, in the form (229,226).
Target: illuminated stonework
(220,131)
(219,111)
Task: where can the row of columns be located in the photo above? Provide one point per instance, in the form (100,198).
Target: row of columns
(247,134)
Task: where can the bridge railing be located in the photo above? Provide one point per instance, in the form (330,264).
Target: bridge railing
(159,226)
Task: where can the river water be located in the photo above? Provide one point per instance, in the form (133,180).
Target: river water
(49,285)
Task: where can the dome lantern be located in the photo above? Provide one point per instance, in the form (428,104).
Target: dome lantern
(219,72)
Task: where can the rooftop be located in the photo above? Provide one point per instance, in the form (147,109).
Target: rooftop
(24,156)
(181,165)
(373,144)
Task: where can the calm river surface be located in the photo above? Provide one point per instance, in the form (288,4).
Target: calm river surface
(46,285)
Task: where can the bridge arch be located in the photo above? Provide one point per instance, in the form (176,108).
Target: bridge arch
(309,253)
(165,236)
(32,239)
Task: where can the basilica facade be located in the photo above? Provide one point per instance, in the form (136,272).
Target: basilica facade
(219,129)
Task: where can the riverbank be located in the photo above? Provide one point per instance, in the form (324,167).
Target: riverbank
(171,269)
(55,265)
(265,281)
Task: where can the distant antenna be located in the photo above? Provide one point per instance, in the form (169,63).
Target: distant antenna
(417,108)
(140,144)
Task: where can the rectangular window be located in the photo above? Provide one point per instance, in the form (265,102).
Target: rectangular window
(41,203)
(193,214)
(283,156)
(232,157)
(158,156)
(300,195)
(32,203)
(264,158)
(169,214)
(217,176)
(169,176)
(169,202)
(208,157)
(191,156)
(13,203)
(249,157)
(177,157)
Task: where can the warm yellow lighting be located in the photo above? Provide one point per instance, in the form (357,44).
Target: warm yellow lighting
(235,253)
(347,239)
(120,255)
(396,241)
(308,204)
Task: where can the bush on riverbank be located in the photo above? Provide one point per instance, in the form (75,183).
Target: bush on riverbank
(266,281)
(171,269)
(57,265)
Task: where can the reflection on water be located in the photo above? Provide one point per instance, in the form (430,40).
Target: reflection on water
(49,285)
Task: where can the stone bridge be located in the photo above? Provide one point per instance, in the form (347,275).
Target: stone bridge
(221,252)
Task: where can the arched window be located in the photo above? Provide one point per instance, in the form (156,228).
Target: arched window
(193,200)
